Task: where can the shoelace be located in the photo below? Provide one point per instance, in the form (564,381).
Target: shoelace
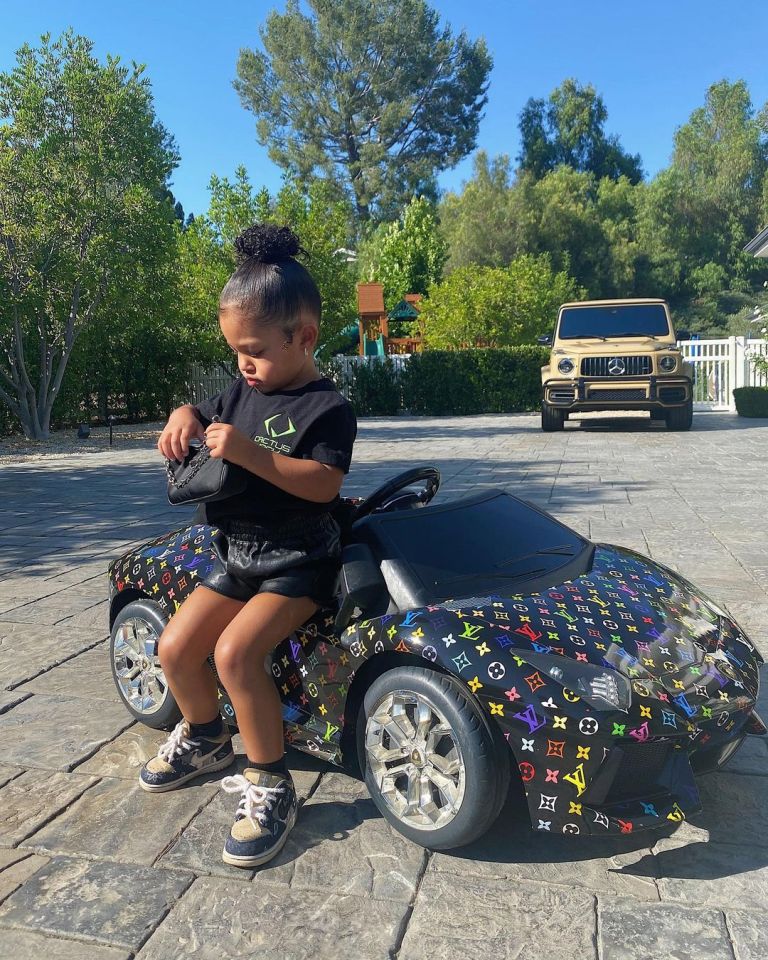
(256,801)
(177,743)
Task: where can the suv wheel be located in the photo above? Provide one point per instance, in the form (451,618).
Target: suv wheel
(680,418)
(433,764)
(551,418)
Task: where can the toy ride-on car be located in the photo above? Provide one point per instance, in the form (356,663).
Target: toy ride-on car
(472,640)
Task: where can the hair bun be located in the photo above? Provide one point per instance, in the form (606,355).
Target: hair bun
(267,243)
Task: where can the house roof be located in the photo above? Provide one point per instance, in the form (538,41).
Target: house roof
(370,298)
(759,245)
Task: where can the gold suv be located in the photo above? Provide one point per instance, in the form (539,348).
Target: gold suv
(616,355)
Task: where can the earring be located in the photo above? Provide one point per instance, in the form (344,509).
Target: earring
(305,352)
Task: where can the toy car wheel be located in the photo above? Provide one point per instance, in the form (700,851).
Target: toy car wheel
(433,764)
(551,418)
(680,418)
(136,669)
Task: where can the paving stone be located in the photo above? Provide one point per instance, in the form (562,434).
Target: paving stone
(751,757)
(118,821)
(348,848)
(56,733)
(488,917)
(87,676)
(223,919)
(749,933)
(113,904)
(27,649)
(11,698)
(124,756)
(16,866)
(734,808)
(95,617)
(640,931)
(200,844)
(712,874)
(624,867)
(30,800)
(8,773)
(24,945)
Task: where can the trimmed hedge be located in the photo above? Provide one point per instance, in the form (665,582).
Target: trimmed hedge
(751,401)
(445,382)
(465,382)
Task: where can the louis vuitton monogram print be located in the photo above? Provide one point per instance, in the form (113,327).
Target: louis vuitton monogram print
(588,766)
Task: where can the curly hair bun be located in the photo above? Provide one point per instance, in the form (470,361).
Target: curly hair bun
(267,243)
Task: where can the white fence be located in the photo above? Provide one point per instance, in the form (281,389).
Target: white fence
(208,382)
(719,366)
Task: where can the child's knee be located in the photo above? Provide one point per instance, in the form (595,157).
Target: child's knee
(233,657)
(173,648)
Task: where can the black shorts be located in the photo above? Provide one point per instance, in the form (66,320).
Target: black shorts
(299,557)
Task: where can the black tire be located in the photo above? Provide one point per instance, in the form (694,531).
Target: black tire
(165,713)
(483,754)
(551,418)
(680,418)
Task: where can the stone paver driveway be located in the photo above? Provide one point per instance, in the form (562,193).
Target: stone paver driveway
(91,868)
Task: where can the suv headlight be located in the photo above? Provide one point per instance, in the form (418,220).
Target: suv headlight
(601,687)
(668,364)
(565,365)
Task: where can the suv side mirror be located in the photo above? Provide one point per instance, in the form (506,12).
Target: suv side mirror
(683,334)
(544,340)
(362,585)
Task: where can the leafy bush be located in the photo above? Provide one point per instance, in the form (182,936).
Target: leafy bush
(374,389)
(462,382)
(751,401)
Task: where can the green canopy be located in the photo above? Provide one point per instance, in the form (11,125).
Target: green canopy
(403,311)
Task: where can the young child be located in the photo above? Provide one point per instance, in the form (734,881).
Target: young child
(277,560)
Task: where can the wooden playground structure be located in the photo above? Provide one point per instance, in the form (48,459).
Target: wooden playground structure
(373,322)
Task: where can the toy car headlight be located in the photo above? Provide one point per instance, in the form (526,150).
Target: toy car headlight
(668,363)
(601,687)
(565,365)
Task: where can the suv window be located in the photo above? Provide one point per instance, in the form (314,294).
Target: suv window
(626,320)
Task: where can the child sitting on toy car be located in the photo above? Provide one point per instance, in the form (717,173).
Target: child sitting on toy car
(277,559)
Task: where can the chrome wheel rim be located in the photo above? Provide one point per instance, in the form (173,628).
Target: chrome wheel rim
(415,760)
(140,678)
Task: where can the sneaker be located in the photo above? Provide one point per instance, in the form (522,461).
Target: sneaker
(183,757)
(265,817)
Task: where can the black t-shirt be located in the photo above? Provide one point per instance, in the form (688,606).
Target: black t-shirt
(314,422)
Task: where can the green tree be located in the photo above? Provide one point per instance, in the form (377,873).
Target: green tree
(696,215)
(376,97)
(407,256)
(477,222)
(82,163)
(568,128)
(318,216)
(495,307)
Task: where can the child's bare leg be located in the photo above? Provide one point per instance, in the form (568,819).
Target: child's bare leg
(262,623)
(186,643)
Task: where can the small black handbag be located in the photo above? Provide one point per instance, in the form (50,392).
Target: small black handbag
(201,478)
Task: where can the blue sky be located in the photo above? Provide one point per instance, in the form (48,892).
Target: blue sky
(652,61)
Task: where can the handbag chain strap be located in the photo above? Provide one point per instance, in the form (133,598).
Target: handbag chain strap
(200,458)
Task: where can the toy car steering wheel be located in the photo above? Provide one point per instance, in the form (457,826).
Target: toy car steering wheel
(380,496)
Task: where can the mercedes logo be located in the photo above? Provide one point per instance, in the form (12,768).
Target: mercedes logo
(616,366)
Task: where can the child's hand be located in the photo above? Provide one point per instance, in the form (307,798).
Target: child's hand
(227,442)
(182,427)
